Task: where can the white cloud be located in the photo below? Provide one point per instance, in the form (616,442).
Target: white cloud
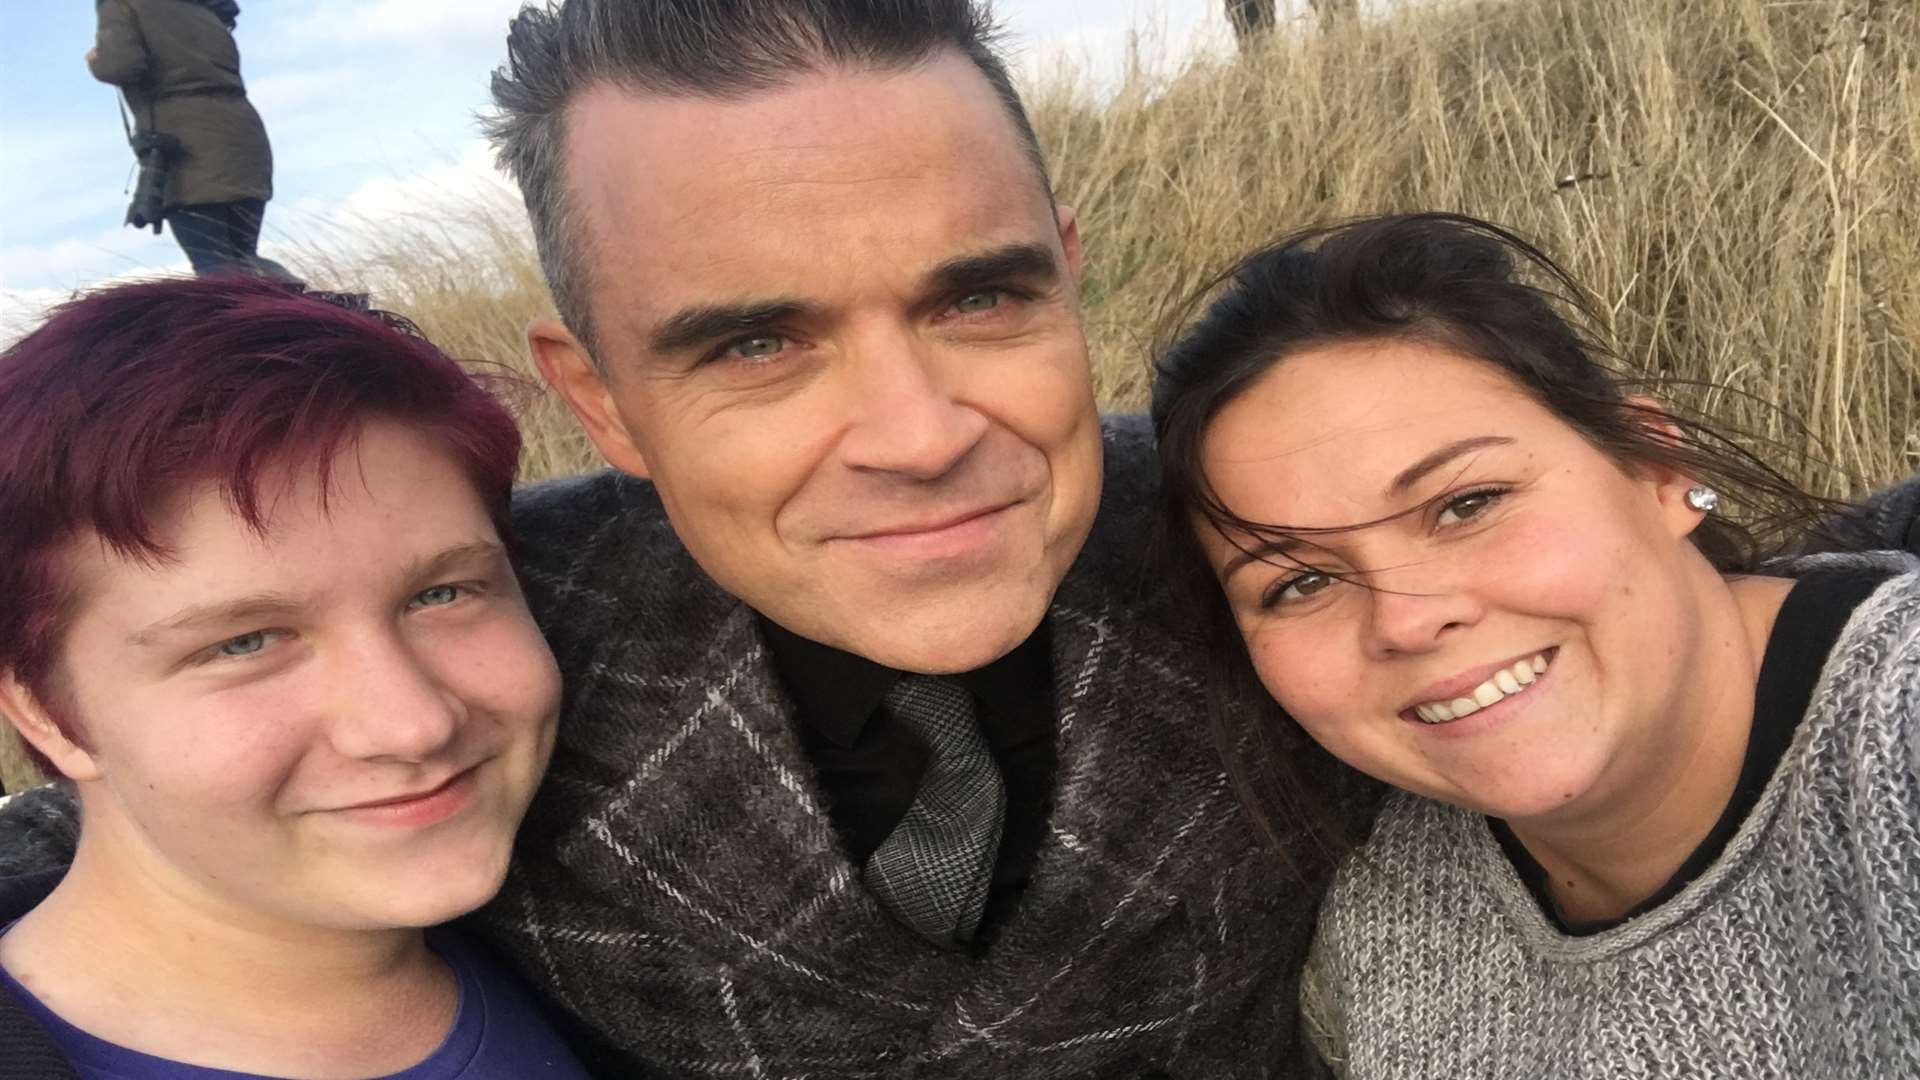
(419,24)
(291,91)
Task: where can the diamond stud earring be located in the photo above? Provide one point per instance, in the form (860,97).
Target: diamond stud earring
(1703,498)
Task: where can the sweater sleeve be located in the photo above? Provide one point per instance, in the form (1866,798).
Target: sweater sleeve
(119,52)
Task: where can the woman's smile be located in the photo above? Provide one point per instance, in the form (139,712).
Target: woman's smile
(1462,696)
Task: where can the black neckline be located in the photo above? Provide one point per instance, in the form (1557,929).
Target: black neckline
(1810,620)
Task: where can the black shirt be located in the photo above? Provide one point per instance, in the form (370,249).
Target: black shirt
(870,765)
(1804,632)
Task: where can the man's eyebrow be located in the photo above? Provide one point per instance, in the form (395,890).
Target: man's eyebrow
(1023,261)
(1413,473)
(690,327)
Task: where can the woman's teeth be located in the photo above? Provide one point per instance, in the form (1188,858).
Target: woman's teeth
(1504,683)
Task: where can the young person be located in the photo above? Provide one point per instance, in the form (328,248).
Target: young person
(1660,798)
(262,621)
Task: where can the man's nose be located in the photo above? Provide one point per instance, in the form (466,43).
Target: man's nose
(392,705)
(907,418)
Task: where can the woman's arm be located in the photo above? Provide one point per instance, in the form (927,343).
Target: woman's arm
(119,53)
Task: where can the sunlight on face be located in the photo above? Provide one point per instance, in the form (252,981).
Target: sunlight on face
(841,326)
(1527,624)
(339,724)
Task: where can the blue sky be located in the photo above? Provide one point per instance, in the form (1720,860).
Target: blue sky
(370,105)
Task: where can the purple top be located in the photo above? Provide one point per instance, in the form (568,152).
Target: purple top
(498,1033)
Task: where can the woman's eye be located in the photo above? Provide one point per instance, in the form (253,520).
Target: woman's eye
(974,303)
(758,348)
(1470,505)
(437,596)
(1298,587)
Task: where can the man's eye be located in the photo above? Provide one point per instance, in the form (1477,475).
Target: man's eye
(974,303)
(757,348)
(437,596)
(1470,505)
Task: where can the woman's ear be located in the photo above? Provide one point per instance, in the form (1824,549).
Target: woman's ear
(1665,484)
(41,731)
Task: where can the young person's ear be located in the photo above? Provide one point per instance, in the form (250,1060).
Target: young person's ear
(41,731)
(1674,492)
(570,370)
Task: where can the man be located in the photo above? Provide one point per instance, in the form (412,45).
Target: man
(815,290)
(876,759)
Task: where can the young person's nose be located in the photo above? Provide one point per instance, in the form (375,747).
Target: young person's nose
(393,705)
(906,417)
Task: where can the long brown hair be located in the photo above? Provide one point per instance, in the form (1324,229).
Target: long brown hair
(1478,290)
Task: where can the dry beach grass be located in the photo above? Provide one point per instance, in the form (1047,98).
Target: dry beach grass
(1738,182)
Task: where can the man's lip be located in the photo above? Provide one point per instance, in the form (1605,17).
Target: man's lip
(892,532)
(413,797)
(1462,685)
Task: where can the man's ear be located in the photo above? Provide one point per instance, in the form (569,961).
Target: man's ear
(1666,484)
(1069,237)
(36,725)
(568,368)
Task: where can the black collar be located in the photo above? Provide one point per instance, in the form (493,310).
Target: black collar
(838,691)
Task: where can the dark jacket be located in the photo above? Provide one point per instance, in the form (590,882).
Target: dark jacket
(180,69)
(39,834)
(678,884)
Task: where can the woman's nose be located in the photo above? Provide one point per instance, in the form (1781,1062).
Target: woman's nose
(1412,616)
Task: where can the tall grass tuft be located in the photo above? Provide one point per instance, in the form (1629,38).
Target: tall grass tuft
(1738,181)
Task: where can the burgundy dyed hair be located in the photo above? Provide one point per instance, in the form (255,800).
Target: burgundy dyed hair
(125,395)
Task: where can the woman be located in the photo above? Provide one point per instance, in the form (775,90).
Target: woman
(1659,811)
(262,620)
(177,63)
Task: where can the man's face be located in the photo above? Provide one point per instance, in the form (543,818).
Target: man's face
(839,330)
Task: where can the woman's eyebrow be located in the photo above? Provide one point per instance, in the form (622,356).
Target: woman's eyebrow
(1412,474)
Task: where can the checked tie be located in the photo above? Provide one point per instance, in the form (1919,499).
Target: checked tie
(933,870)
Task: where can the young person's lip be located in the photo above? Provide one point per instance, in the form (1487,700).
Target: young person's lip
(433,803)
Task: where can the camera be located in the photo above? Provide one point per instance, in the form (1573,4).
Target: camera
(156,153)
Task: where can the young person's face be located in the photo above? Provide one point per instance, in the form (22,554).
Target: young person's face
(840,331)
(1531,549)
(338,724)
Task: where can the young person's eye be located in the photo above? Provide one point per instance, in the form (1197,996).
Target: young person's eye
(440,595)
(1294,589)
(1468,505)
(239,647)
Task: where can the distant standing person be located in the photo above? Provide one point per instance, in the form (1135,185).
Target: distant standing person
(177,62)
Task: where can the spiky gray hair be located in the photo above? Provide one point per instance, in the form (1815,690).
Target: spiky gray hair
(720,49)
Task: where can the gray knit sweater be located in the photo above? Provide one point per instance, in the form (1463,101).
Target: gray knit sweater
(1797,954)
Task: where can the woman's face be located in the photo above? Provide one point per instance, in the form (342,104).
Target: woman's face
(1530,629)
(338,724)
